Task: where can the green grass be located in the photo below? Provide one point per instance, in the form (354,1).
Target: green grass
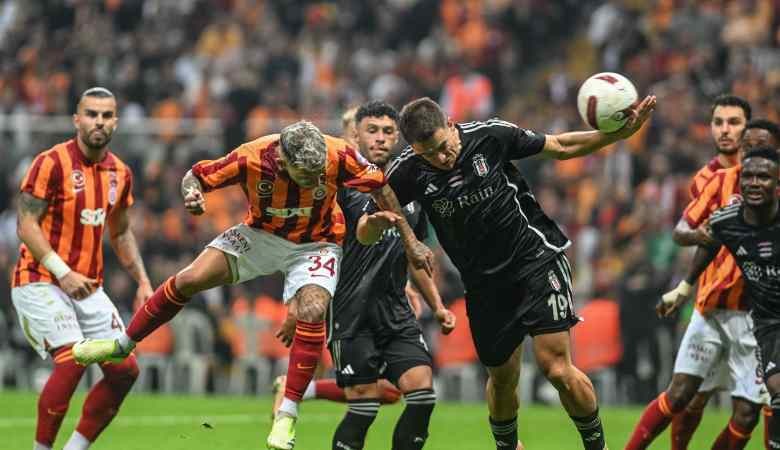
(176,423)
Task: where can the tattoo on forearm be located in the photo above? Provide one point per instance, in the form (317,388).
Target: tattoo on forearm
(387,200)
(31,206)
(130,257)
(312,302)
(189,182)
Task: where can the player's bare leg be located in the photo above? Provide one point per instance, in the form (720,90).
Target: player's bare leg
(307,341)
(210,269)
(553,356)
(685,423)
(744,418)
(502,400)
(659,412)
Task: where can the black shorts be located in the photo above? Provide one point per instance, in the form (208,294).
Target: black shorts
(501,315)
(367,357)
(768,337)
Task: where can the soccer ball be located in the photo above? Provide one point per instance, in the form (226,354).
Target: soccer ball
(604,100)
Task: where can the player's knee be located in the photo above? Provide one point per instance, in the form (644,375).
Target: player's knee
(746,415)
(503,382)
(679,395)
(558,373)
(312,303)
(361,391)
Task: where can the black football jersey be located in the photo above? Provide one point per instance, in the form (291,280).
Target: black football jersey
(370,292)
(483,211)
(757,252)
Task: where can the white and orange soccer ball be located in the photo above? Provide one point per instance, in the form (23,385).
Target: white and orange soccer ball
(604,101)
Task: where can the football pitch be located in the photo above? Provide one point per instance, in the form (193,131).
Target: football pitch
(232,423)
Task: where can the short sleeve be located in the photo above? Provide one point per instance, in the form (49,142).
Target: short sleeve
(356,172)
(42,178)
(516,142)
(401,177)
(225,171)
(127,198)
(707,201)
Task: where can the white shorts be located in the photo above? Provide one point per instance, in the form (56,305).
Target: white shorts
(51,319)
(721,349)
(258,252)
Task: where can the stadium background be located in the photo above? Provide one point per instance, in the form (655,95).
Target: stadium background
(195,78)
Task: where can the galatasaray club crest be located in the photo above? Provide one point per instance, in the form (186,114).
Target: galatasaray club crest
(480,165)
(265,188)
(554,282)
(78,180)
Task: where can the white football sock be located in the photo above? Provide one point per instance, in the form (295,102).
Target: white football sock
(77,441)
(39,446)
(289,407)
(311,391)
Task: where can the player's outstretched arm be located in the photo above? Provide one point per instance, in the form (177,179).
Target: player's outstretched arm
(29,212)
(430,293)
(371,226)
(126,249)
(677,297)
(575,144)
(685,236)
(417,253)
(192,191)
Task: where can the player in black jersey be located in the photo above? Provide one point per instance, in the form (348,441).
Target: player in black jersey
(372,330)
(508,252)
(750,230)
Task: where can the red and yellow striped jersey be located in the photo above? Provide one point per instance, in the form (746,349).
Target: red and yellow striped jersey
(276,203)
(81,195)
(720,286)
(703,176)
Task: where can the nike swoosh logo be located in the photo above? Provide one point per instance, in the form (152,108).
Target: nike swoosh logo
(302,367)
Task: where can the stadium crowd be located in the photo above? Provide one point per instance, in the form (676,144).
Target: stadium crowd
(255,65)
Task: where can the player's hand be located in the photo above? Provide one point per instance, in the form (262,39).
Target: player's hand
(446,320)
(382,220)
(638,115)
(287,331)
(195,202)
(143,292)
(420,256)
(672,300)
(77,286)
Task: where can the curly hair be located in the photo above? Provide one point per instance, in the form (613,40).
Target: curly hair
(304,145)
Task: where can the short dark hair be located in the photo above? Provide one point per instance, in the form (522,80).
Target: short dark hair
(764,124)
(97,91)
(420,119)
(376,108)
(762,151)
(732,100)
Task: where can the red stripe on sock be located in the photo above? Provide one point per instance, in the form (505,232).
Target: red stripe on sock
(160,308)
(304,355)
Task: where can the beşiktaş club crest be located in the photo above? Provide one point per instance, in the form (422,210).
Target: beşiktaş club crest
(554,282)
(265,188)
(112,187)
(480,165)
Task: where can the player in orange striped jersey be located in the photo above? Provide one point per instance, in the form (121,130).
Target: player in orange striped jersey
(67,196)
(293,225)
(718,349)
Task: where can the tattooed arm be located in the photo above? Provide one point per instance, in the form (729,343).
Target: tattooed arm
(123,242)
(192,191)
(30,212)
(418,254)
